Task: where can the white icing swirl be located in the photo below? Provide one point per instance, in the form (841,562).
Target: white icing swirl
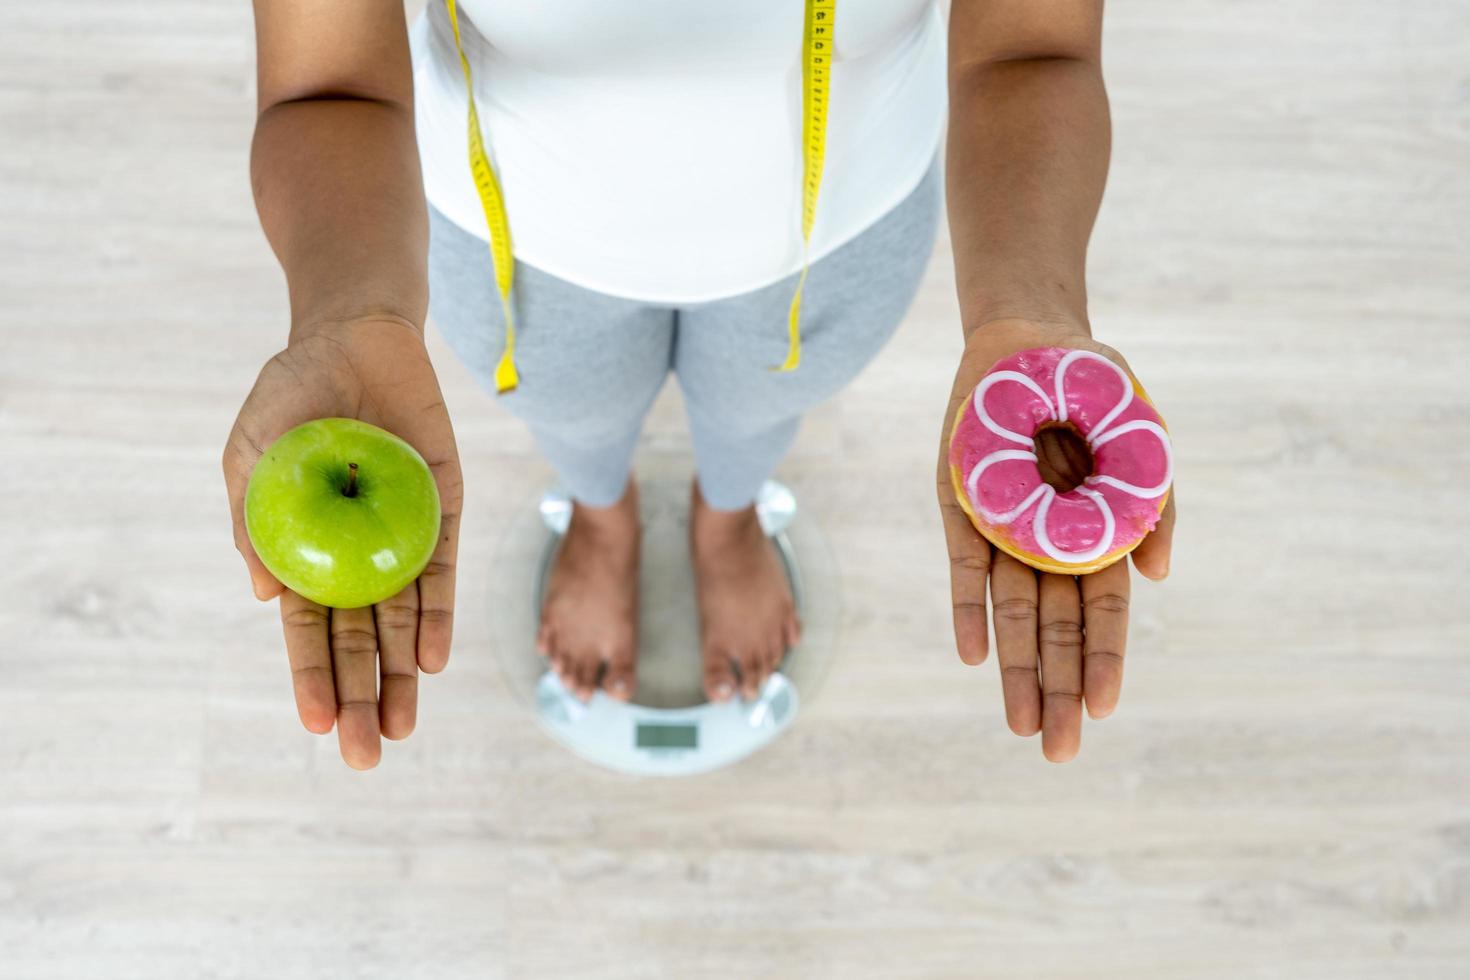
(1043,495)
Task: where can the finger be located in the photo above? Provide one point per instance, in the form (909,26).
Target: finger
(305,625)
(436,584)
(239,459)
(1104,635)
(355,666)
(1013,599)
(397,624)
(969,560)
(719,678)
(1152,555)
(620,679)
(1060,640)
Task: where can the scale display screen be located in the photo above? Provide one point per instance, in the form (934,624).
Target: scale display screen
(654,736)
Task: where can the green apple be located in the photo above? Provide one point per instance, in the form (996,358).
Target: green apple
(342,512)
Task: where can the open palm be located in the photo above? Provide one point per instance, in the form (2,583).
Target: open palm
(377,371)
(1060,639)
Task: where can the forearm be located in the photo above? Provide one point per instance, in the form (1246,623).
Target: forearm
(339,193)
(1025,165)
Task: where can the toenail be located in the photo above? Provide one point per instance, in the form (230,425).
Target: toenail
(723,691)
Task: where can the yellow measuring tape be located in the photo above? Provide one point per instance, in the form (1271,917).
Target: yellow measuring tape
(815,87)
(506,377)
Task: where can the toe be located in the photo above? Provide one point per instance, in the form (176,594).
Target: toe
(791,631)
(772,659)
(586,675)
(544,639)
(719,679)
(752,673)
(565,665)
(619,681)
(777,654)
(570,678)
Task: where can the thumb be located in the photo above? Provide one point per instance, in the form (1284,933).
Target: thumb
(1151,557)
(239,460)
(265,585)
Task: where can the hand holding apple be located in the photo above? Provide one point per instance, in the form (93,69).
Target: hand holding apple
(354,667)
(342,512)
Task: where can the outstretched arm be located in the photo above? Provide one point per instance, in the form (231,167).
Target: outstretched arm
(1027,159)
(335,171)
(334,164)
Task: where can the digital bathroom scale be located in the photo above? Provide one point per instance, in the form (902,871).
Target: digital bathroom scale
(669,728)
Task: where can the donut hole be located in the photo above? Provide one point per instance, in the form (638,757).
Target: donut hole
(1062,455)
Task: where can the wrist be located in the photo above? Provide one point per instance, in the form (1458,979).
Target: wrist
(369,323)
(1057,328)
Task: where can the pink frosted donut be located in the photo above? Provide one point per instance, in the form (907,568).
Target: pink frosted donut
(993,463)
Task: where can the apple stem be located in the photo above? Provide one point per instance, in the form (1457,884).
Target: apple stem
(351,490)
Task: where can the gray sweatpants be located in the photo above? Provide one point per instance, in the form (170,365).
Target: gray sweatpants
(591,364)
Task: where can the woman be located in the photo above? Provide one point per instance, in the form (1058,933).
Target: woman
(650,161)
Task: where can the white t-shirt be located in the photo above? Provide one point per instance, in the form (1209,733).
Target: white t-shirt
(652,148)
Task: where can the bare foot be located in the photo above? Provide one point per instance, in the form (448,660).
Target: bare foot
(589,614)
(746,614)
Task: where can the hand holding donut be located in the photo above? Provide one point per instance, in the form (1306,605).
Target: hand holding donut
(1053,466)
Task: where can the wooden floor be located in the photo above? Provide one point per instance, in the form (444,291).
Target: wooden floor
(1285,791)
